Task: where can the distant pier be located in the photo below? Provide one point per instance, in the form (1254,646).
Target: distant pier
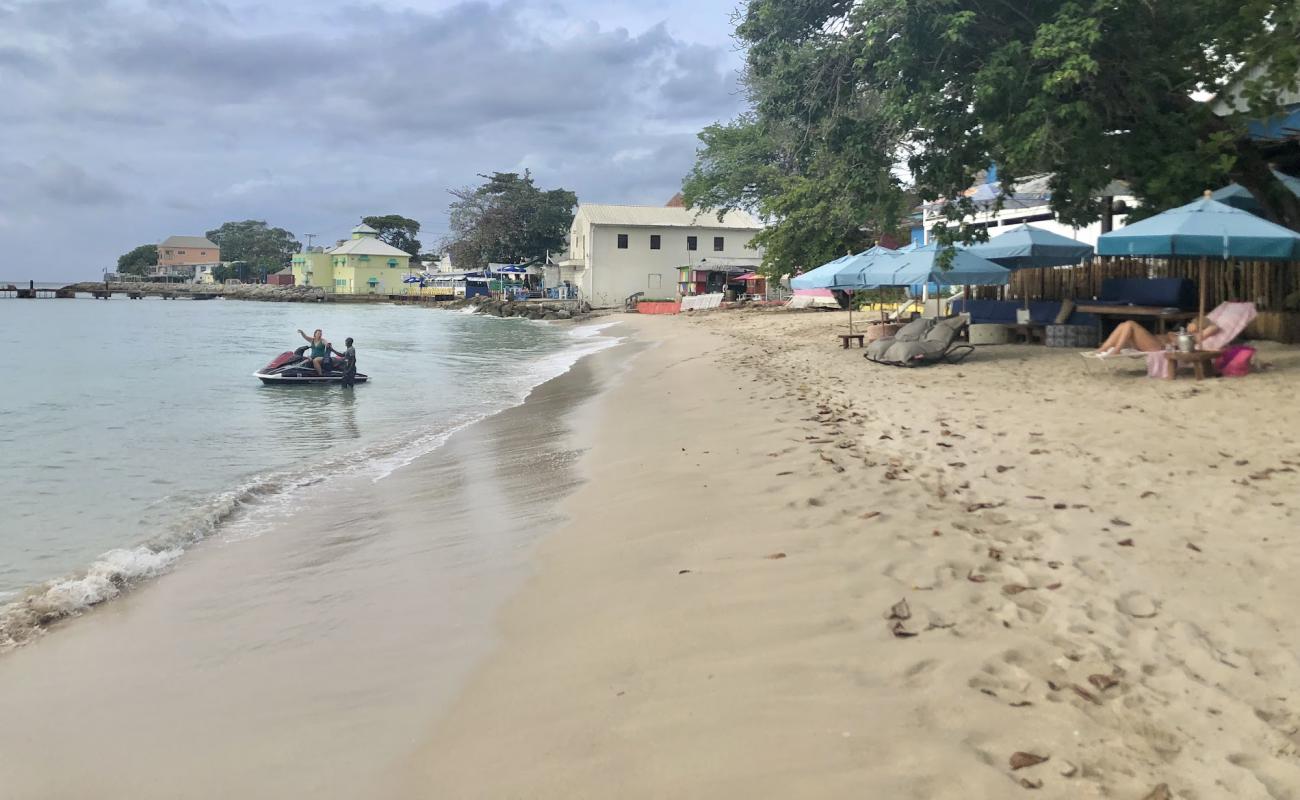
(101,291)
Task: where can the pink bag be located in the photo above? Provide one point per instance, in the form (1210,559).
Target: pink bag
(1235,361)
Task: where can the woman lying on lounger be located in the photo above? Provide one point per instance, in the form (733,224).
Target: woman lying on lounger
(1132,336)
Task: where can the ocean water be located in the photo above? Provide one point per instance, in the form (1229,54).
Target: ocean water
(131,430)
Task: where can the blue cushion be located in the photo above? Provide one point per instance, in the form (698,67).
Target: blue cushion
(1157,292)
(987,311)
(1003,312)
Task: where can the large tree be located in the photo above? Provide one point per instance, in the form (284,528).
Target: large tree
(845,92)
(398,231)
(507,219)
(138,261)
(264,248)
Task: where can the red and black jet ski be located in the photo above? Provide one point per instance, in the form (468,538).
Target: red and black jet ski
(295,369)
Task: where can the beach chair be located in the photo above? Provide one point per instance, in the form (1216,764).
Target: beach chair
(939,343)
(1230,318)
(913,331)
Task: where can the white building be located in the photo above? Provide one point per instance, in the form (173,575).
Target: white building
(1031,203)
(617,251)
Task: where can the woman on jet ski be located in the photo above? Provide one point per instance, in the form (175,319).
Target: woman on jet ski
(319,349)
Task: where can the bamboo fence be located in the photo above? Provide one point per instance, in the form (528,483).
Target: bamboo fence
(1273,286)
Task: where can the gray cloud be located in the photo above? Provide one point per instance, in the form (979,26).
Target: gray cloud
(312,114)
(53,181)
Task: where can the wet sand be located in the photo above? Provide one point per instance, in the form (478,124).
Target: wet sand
(309,659)
(796,574)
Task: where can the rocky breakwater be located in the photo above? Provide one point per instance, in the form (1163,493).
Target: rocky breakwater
(529,309)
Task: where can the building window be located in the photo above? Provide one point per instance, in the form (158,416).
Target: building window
(365,258)
(692,243)
(654,241)
(180,252)
(392,262)
(717,244)
(622,241)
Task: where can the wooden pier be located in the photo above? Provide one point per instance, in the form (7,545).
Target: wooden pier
(34,292)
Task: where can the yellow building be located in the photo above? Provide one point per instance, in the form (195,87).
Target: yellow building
(365,265)
(313,268)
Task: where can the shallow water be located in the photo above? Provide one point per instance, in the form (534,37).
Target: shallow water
(309,658)
(132,429)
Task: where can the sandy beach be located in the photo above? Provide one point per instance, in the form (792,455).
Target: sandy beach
(792,573)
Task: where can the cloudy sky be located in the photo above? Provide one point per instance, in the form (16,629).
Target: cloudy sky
(126,121)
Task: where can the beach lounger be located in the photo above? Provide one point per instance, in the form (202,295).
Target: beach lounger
(913,331)
(1230,318)
(938,344)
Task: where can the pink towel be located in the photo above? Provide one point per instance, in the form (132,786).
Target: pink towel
(1230,319)
(1158,365)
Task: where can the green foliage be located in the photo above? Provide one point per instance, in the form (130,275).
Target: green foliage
(507,220)
(224,272)
(845,91)
(138,261)
(398,231)
(265,249)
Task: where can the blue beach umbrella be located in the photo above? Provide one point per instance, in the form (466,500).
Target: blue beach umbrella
(1205,228)
(824,277)
(1025,246)
(1238,196)
(922,266)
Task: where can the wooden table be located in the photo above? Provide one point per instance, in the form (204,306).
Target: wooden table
(1197,358)
(845,338)
(1160,315)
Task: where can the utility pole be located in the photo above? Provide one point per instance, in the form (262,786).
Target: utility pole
(309,237)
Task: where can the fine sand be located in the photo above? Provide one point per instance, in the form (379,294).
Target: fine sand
(792,573)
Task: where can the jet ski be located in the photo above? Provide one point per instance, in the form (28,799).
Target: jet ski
(295,369)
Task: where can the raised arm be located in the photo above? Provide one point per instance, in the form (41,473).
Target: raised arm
(305,336)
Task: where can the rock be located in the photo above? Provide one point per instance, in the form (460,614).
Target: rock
(1137,604)
(1020,759)
(1067,769)
(563,313)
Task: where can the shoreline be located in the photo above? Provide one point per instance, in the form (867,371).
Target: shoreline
(307,659)
(792,573)
(29,611)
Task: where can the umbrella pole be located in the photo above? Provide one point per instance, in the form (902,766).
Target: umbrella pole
(1200,316)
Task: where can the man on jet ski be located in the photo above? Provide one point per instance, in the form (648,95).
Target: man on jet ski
(319,349)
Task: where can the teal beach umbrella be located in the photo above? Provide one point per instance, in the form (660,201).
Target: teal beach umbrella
(1204,228)
(1025,247)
